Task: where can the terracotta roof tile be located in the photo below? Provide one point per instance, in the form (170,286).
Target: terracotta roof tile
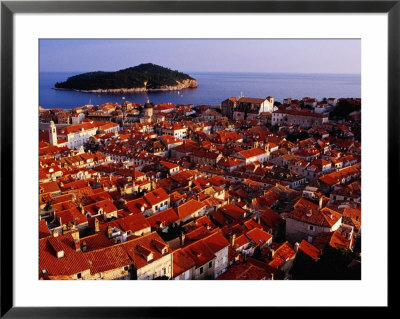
(309,249)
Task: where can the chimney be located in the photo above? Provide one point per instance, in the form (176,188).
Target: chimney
(309,213)
(182,239)
(109,231)
(259,220)
(271,253)
(84,247)
(320,202)
(77,244)
(96,225)
(82,210)
(296,247)
(55,233)
(233,240)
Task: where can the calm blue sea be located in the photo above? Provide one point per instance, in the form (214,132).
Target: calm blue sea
(213,89)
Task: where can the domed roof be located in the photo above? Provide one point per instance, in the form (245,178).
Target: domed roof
(148,105)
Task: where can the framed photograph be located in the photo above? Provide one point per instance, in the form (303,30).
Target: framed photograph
(159,155)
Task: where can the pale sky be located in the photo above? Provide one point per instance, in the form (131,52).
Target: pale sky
(208,55)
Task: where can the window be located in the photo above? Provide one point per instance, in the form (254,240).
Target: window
(187,273)
(310,227)
(210,264)
(201,270)
(164,271)
(79,275)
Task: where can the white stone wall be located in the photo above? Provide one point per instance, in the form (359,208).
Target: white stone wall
(156,268)
(221,262)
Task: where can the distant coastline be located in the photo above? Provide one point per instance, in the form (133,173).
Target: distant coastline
(186,84)
(213,88)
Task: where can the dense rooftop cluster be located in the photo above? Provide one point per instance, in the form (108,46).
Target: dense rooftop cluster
(253,189)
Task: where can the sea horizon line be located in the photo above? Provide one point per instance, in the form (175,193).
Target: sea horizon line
(216,72)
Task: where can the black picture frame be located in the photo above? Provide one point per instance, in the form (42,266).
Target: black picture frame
(9,8)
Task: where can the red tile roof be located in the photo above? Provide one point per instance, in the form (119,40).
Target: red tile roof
(309,249)
(240,241)
(245,271)
(96,241)
(325,217)
(251,152)
(182,262)
(72,263)
(148,242)
(284,252)
(135,206)
(233,211)
(190,207)
(108,258)
(49,187)
(301,113)
(166,217)
(43,229)
(135,222)
(106,205)
(199,253)
(156,196)
(72,215)
(259,236)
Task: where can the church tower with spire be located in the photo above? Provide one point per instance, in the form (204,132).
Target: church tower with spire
(52,133)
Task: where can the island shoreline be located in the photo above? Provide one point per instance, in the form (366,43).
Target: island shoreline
(124,90)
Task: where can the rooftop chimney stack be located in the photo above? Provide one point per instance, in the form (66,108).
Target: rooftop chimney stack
(320,202)
(271,253)
(84,247)
(109,231)
(77,244)
(96,225)
(182,239)
(233,240)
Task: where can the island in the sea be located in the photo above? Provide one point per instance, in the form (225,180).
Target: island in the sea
(141,78)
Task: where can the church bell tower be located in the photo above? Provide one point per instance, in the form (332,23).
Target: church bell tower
(52,133)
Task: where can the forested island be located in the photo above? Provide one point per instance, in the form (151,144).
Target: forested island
(141,78)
